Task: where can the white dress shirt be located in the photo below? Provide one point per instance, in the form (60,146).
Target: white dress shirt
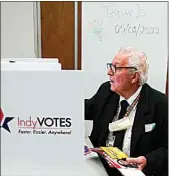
(127,136)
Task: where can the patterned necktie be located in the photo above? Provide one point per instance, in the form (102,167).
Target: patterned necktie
(119,135)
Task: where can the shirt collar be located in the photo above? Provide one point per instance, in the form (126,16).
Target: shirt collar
(133,97)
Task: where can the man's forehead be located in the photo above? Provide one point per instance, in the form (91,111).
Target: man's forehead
(120,59)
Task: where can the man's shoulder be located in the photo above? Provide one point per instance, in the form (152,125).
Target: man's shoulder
(104,90)
(155,94)
(105,85)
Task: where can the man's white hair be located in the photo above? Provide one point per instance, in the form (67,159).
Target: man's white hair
(138,60)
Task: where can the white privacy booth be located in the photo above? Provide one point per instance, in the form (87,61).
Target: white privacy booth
(30,63)
(46,60)
(42,123)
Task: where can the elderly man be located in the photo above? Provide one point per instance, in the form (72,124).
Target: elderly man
(141,112)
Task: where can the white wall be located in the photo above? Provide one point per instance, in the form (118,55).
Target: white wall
(18,30)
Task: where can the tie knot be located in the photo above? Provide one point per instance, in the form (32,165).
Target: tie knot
(124,104)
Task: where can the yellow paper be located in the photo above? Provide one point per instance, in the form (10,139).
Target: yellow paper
(114,152)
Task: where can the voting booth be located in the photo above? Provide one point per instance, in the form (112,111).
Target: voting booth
(42,123)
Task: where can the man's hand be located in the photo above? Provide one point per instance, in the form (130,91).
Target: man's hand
(140,161)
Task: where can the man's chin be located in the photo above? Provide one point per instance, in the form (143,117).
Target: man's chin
(112,88)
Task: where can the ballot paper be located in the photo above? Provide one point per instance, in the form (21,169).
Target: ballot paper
(88,153)
(116,159)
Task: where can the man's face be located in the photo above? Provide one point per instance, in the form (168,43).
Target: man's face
(121,80)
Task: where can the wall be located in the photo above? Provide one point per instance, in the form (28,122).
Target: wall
(18,29)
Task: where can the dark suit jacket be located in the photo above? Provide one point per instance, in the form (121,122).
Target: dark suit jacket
(151,108)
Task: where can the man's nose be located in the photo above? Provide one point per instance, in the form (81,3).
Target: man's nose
(110,72)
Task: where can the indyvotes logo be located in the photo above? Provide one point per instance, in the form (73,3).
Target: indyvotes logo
(37,125)
(5,120)
(45,125)
(44,122)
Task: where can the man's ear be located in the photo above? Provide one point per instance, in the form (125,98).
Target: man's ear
(135,77)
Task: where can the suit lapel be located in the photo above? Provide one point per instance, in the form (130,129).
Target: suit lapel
(108,105)
(111,107)
(106,115)
(138,126)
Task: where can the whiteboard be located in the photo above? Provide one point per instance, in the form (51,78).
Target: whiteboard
(108,26)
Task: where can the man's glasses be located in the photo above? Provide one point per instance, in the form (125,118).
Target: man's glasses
(113,68)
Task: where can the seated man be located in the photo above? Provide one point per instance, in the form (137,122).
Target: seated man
(143,112)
